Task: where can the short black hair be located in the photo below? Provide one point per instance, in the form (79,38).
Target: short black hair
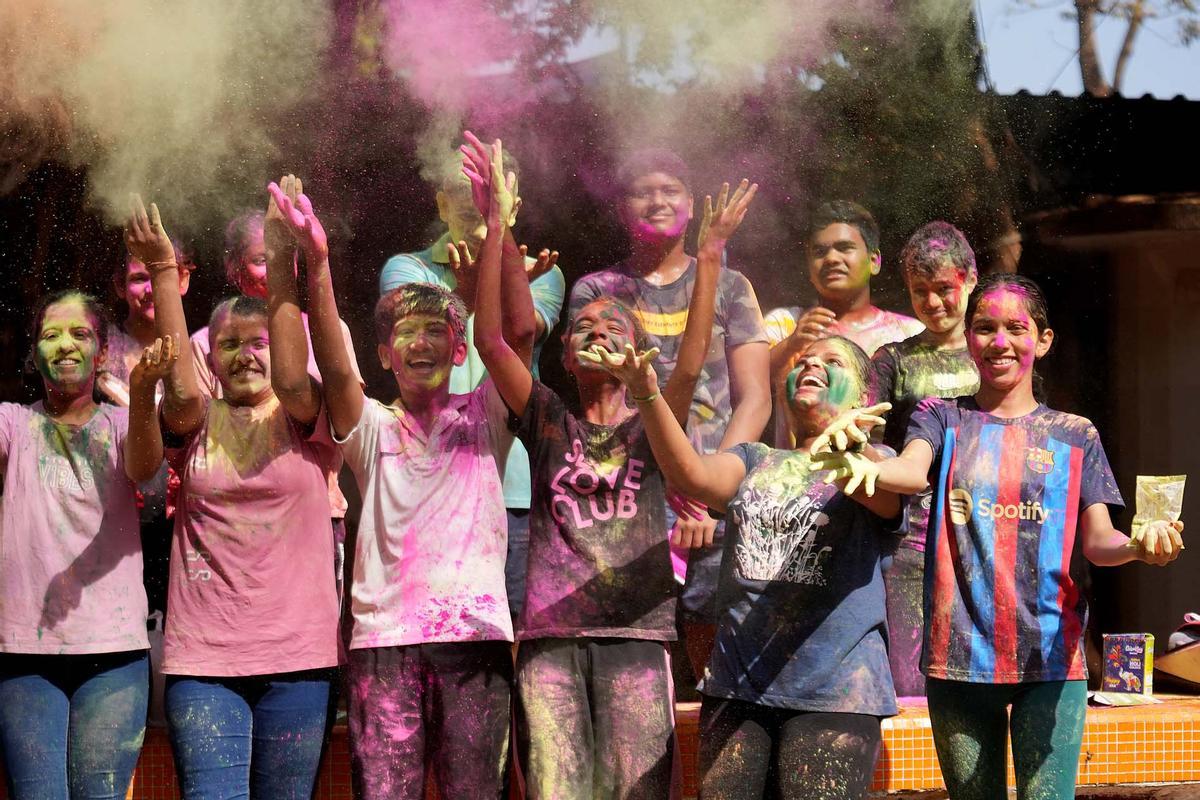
(649,160)
(848,213)
(932,246)
(419,298)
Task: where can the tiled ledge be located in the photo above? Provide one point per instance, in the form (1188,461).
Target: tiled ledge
(1138,744)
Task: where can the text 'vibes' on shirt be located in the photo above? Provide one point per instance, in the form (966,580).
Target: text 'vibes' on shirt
(1001,604)
(599,564)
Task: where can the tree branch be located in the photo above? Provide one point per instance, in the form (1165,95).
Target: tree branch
(1089,60)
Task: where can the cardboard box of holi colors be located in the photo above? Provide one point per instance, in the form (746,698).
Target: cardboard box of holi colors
(1128,669)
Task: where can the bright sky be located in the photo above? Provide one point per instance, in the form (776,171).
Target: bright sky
(1034,49)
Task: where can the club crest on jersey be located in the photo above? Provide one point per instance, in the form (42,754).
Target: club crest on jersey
(1039,460)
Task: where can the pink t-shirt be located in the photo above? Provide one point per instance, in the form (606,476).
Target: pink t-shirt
(70,551)
(431,544)
(211,387)
(252,586)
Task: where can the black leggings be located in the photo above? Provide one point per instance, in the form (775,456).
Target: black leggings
(751,751)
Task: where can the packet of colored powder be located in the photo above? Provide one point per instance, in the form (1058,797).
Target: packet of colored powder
(1158,497)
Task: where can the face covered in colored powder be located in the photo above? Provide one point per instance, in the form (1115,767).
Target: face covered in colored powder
(940,300)
(68,351)
(598,323)
(456,207)
(824,383)
(657,207)
(423,350)
(136,292)
(241,358)
(1004,340)
(252,267)
(839,263)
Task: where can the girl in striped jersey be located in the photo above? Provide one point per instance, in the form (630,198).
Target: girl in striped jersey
(1015,483)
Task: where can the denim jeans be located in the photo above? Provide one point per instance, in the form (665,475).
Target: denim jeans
(71,726)
(249,737)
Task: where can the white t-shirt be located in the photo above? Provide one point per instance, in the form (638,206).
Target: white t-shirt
(433,537)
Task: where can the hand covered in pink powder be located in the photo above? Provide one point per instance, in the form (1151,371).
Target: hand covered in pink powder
(684,506)
(293,209)
(494,192)
(145,237)
(721,221)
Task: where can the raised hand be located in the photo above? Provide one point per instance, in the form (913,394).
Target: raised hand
(720,221)
(811,326)
(546,259)
(850,429)
(860,470)
(295,211)
(489,182)
(145,237)
(155,364)
(460,257)
(1158,542)
(633,369)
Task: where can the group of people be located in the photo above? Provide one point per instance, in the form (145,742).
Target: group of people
(908,530)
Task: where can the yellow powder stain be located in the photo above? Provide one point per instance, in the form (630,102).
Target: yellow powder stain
(246,438)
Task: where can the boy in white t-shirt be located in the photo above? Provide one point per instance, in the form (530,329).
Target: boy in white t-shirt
(430,668)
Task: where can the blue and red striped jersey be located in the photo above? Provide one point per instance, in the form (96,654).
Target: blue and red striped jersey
(1001,605)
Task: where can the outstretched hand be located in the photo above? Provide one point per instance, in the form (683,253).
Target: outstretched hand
(1158,542)
(145,237)
(719,222)
(155,364)
(546,259)
(850,429)
(289,206)
(493,191)
(860,470)
(635,370)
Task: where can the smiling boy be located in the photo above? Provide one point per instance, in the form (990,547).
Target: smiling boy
(430,667)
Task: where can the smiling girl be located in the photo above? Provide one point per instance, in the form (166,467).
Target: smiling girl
(799,679)
(251,635)
(1015,483)
(73,668)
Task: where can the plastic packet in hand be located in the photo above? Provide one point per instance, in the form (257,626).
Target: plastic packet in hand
(1158,497)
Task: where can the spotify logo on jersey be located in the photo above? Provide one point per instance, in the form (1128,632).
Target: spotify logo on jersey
(960,506)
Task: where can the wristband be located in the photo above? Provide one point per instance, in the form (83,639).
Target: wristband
(647,399)
(160,266)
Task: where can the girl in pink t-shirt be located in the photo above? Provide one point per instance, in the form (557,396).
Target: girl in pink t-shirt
(251,636)
(74,674)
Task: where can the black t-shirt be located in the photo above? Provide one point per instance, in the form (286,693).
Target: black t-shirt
(599,563)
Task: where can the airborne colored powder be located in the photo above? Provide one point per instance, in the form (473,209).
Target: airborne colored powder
(176,100)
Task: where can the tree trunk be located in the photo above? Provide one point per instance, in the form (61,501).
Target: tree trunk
(1089,60)
(1137,14)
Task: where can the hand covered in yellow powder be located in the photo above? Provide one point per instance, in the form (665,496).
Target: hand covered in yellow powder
(860,470)
(493,190)
(1158,542)
(850,429)
(155,364)
(633,369)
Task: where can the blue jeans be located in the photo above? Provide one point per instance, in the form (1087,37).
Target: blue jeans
(257,736)
(71,727)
